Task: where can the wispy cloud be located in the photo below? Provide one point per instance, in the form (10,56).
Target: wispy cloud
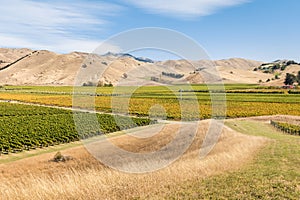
(63,45)
(185,9)
(56,25)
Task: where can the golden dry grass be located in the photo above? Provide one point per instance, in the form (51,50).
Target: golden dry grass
(86,178)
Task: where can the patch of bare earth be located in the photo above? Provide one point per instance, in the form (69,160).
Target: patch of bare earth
(84,177)
(281,118)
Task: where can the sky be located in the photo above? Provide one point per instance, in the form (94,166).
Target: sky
(263,30)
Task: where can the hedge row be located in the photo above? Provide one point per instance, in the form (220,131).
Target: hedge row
(237,91)
(287,128)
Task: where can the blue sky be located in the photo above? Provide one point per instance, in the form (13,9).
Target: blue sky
(263,30)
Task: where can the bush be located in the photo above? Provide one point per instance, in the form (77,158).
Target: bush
(58,157)
(89,83)
(290,79)
(283,68)
(108,84)
(172,75)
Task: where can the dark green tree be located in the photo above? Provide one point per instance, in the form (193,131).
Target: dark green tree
(298,78)
(290,79)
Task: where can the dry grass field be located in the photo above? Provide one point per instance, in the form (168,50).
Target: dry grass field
(84,177)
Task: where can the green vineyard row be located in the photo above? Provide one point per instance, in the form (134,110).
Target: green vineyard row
(30,127)
(287,128)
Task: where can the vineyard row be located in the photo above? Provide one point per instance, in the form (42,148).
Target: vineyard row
(287,128)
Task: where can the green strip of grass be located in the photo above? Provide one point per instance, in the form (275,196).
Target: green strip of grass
(26,154)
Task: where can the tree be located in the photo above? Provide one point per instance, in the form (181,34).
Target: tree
(290,79)
(283,67)
(298,78)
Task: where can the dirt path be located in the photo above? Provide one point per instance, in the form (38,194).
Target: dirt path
(50,106)
(291,119)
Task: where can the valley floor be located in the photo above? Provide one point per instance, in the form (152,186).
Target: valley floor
(251,160)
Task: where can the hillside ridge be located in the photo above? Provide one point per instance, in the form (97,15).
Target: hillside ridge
(42,67)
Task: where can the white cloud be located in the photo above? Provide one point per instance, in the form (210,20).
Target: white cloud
(55,25)
(185,9)
(85,46)
(61,45)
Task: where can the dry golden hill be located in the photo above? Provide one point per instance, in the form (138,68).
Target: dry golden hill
(28,67)
(8,56)
(292,69)
(43,68)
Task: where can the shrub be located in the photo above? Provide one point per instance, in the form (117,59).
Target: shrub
(108,84)
(290,79)
(283,67)
(58,157)
(89,83)
(172,75)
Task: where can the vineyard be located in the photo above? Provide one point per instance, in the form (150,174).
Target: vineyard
(179,102)
(141,101)
(286,127)
(25,127)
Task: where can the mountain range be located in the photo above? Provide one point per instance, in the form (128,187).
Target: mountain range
(42,67)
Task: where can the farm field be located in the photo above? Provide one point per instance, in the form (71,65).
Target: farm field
(239,100)
(24,127)
(252,159)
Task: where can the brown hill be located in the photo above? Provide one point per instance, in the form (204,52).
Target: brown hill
(8,56)
(42,68)
(28,67)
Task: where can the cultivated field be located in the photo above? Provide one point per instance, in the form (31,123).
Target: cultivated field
(240,100)
(251,159)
